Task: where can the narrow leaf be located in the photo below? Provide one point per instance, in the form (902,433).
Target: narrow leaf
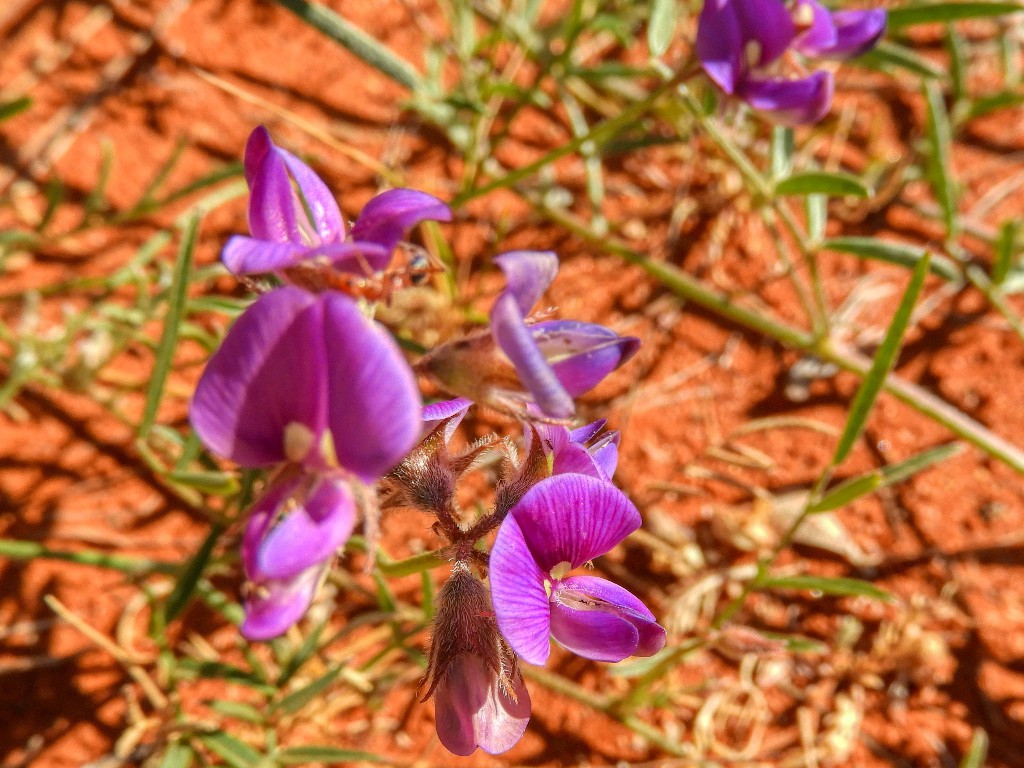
(182,592)
(296,700)
(885,359)
(1004,250)
(977,751)
(315,753)
(940,140)
(844,493)
(781,152)
(239,710)
(662,26)
(178,755)
(897,473)
(888,55)
(843,587)
(822,183)
(894,253)
(926,13)
(235,753)
(14,107)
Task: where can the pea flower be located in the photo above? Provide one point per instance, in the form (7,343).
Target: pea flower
(308,382)
(739,43)
(579,450)
(560,524)
(294,219)
(480,699)
(518,362)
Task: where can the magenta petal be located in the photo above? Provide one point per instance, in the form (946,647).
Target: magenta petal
(856,32)
(719,43)
(582,354)
(590,633)
(452,410)
(575,458)
(527,275)
(587,431)
(572,518)
(320,202)
(819,30)
(472,710)
(248,256)
(790,102)
(516,340)
(272,201)
(374,406)
(267,373)
(358,258)
(388,217)
(605,453)
(274,606)
(517,593)
(579,595)
(309,533)
(261,517)
(769,24)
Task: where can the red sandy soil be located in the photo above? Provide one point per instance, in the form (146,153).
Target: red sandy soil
(950,539)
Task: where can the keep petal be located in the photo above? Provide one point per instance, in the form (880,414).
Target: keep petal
(327,221)
(520,603)
(582,354)
(310,533)
(272,201)
(719,43)
(389,216)
(516,340)
(261,517)
(819,29)
(856,32)
(268,373)
(583,594)
(769,24)
(374,406)
(276,605)
(527,275)
(248,256)
(573,518)
(790,102)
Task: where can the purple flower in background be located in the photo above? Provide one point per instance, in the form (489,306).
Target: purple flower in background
(294,219)
(740,41)
(560,524)
(579,450)
(308,381)
(518,362)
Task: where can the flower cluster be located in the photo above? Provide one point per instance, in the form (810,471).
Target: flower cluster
(309,387)
(741,43)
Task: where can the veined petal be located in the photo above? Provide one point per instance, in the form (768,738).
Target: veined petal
(527,275)
(856,32)
(268,373)
(248,256)
(323,208)
(374,406)
(790,102)
(720,43)
(578,595)
(819,30)
(520,603)
(272,201)
(389,216)
(582,354)
(309,533)
(589,632)
(272,607)
(605,453)
(587,431)
(517,341)
(767,23)
(572,518)
(576,458)
(472,710)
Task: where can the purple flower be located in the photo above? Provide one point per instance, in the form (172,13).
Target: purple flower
(740,41)
(518,362)
(293,218)
(292,534)
(308,379)
(568,450)
(560,524)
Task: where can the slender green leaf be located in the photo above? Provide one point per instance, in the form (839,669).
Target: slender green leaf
(662,26)
(781,152)
(817,216)
(977,751)
(926,13)
(822,183)
(296,700)
(897,473)
(301,656)
(216,670)
(986,105)
(178,755)
(14,107)
(97,198)
(235,753)
(239,710)
(182,592)
(940,141)
(885,359)
(894,253)
(957,63)
(217,483)
(844,493)
(1004,250)
(172,321)
(314,753)
(841,586)
(888,55)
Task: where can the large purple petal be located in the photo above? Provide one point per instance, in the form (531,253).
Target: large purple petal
(272,607)
(590,632)
(573,518)
(573,457)
(268,373)
(389,216)
(374,406)
(578,595)
(516,340)
(355,256)
(309,533)
(582,354)
(527,275)
(790,102)
(587,431)
(818,30)
(272,201)
(767,23)
(322,206)
(472,710)
(720,43)
(856,32)
(520,603)
(248,256)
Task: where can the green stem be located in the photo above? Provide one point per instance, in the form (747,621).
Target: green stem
(31,550)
